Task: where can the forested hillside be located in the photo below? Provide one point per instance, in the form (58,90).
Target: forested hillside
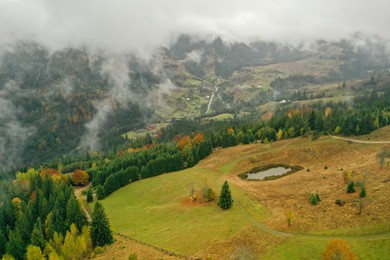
(56,104)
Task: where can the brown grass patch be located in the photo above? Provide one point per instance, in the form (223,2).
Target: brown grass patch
(324,162)
(249,239)
(123,247)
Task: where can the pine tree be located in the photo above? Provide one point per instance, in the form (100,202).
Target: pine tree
(74,214)
(100,228)
(37,238)
(3,241)
(100,192)
(225,198)
(89,196)
(15,245)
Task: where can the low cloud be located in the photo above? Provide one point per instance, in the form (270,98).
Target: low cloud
(143,26)
(13,133)
(194,56)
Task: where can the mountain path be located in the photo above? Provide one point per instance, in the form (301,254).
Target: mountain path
(360,141)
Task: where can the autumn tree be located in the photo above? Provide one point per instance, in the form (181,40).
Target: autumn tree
(100,227)
(183,142)
(198,138)
(225,198)
(338,249)
(34,253)
(80,177)
(279,135)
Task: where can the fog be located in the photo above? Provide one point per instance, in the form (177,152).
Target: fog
(142,26)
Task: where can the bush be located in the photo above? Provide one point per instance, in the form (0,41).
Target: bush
(351,187)
(314,199)
(99,250)
(133,256)
(210,195)
(363,193)
(340,202)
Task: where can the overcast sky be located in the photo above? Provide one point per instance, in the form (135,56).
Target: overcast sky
(145,24)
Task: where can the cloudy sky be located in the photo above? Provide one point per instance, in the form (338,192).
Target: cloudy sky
(142,25)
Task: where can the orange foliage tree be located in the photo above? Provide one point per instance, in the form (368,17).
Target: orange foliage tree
(198,138)
(80,177)
(338,249)
(183,142)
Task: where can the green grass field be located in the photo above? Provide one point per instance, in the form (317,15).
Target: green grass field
(153,210)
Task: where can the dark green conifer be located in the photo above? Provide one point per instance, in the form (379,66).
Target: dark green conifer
(16,246)
(100,192)
(89,196)
(74,213)
(37,237)
(225,198)
(100,227)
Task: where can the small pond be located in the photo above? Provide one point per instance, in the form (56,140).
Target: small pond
(269,172)
(276,171)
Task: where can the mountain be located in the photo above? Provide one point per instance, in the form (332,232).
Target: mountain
(55,104)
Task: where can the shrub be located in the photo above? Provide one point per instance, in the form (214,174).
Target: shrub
(252,159)
(99,250)
(338,249)
(325,167)
(351,187)
(314,199)
(363,192)
(210,195)
(133,256)
(340,202)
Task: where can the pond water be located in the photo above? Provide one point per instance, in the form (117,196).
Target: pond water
(276,171)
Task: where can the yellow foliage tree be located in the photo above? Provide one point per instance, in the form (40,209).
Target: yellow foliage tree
(328,110)
(69,247)
(279,135)
(34,253)
(80,177)
(338,249)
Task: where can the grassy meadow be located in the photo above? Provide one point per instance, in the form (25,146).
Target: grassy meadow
(157,210)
